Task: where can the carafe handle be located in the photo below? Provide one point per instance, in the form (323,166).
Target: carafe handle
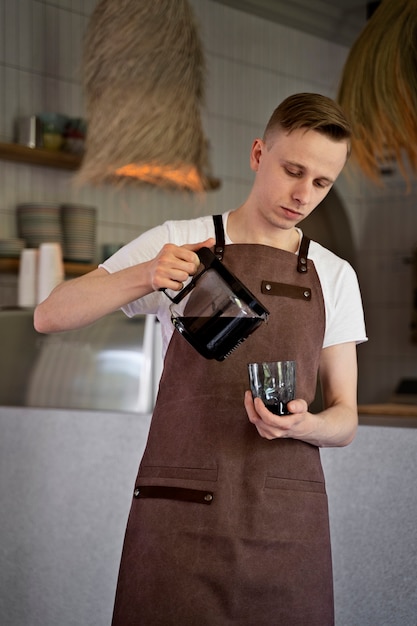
(206,256)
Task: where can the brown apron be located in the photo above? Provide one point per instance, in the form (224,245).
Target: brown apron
(227,527)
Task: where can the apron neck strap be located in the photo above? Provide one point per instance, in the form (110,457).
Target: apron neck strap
(220,239)
(220,243)
(302,255)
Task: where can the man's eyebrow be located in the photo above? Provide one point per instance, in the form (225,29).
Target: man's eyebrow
(295,164)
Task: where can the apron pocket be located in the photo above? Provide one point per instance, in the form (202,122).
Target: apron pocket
(174,493)
(181,473)
(289,484)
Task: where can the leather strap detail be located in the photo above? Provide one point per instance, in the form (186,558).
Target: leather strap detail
(302,255)
(270,288)
(220,239)
(174,493)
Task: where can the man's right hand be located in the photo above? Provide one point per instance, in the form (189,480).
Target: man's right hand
(175,264)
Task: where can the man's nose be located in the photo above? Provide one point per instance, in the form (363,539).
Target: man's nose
(302,192)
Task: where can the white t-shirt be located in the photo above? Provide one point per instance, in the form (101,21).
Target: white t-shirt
(342,299)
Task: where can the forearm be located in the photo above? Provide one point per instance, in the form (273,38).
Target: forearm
(333,427)
(338,422)
(82,301)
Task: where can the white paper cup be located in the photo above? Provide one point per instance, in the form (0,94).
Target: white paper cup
(28,278)
(50,269)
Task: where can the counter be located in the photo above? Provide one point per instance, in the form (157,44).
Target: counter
(371,486)
(66,481)
(388,414)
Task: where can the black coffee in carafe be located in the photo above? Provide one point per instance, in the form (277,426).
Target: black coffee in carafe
(216,338)
(219,313)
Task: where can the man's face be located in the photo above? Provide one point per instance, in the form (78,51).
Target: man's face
(294,172)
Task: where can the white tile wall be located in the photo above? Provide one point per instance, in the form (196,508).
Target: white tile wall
(251,65)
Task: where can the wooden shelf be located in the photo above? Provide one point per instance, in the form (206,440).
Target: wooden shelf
(11,266)
(39,156)
(78,269)
(60,159)
(394,409)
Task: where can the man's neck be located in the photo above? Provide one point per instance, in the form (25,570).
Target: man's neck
(241,229)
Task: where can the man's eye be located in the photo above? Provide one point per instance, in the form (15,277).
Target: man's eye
(293,172)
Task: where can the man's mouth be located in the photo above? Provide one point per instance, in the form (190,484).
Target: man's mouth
(292,213)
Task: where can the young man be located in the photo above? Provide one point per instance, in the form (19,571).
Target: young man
(229,519)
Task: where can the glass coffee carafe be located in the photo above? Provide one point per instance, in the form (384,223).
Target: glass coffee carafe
(215,312)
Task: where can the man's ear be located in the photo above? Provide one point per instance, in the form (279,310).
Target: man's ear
(255,154)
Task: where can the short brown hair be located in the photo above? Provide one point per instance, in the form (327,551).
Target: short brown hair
(311,111)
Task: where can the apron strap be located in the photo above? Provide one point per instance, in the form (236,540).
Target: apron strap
(220,240)
(302,255)
(220,243)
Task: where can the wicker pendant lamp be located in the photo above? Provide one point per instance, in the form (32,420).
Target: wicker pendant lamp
(378,89)
(144,84)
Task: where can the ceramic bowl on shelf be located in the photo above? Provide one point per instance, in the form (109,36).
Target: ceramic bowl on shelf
(11,248)
(79,231)
(39,223)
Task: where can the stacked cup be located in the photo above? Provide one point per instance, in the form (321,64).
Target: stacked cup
(28,278)
(50,269)
(40,271)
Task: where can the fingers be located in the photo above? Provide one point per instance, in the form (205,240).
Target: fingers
(172,267)
(175,264)
(268,425)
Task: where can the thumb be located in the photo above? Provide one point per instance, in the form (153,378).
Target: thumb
(202,244)
(297,406)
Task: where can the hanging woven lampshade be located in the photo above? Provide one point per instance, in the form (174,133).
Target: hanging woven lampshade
(143,74)
(378,89)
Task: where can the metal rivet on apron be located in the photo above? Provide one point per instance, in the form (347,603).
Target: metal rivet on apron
(303,260)
(208,497)
(268,287)
(136,492)
(306,293)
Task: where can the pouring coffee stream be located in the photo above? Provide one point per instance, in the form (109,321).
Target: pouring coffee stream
(220,312)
